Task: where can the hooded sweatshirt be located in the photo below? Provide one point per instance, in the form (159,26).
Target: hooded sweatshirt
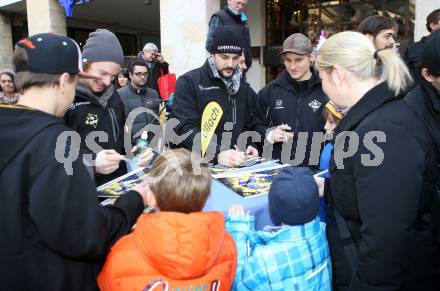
(91,113)
(54,233)
(189,251)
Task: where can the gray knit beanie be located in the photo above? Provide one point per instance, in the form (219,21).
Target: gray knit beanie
(103,46)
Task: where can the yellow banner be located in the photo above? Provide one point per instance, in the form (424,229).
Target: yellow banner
(210,118)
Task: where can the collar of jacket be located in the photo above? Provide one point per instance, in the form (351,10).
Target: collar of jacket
(373,99)
(285,81)
(433,94)
(82,91)
(236,17)
(137,91)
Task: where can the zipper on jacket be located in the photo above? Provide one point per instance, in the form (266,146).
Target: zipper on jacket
(115,126)
(231,101)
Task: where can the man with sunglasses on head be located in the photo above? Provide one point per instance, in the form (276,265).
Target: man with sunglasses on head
(138,95)
(98,109)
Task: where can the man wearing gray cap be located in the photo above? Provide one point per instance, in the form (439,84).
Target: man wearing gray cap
(155,63)
(292,103)
(98,108)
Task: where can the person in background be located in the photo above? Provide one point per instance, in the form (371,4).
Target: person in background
(123,79)
(242,63)
(156,64)
(379,227)
(232,14)
(380,30)
(98,108)
(55,234)
(292,104)
(8,93)
(414,51)
(138,95)
(187,248)
(293,254)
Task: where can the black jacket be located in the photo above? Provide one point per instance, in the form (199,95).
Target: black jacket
(194,90)
(298,104)
(425,101)
(383,191)
(226,17)
(155,72)
(87,115)
(54,233)
(145,98)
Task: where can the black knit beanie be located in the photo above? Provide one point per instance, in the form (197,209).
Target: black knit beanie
(227,40)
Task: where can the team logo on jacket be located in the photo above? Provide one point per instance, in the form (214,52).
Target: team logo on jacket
(279,104)
(92,120)
(315,104)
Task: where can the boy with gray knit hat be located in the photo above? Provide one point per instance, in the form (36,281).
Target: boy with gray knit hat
(98,108)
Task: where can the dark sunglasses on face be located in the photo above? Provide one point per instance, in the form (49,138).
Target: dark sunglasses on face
(141,74)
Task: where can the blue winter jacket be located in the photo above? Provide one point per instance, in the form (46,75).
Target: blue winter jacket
(285,258)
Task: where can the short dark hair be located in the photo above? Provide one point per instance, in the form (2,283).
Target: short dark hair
(25,80)
(374,24)
(135,62)
(433,17)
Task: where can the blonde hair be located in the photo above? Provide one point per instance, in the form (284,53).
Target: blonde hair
(354,52)
(180,189)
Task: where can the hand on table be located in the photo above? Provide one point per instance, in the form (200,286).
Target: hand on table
(231,158)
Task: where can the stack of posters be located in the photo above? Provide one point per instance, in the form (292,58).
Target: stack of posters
(123,184)
(252,181)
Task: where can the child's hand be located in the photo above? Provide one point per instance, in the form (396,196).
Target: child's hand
(238,210)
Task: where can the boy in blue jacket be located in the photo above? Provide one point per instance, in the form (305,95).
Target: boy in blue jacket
(291,256)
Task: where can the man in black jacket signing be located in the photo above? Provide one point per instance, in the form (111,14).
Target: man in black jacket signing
(218,82)
(55,235)
(97,112)
(289,109)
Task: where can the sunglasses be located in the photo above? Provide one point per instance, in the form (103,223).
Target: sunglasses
(141,74)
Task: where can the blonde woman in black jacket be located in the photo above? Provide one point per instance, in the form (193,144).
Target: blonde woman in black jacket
(383,172)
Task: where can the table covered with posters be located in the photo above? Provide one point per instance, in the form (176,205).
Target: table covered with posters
(222,198)
(247,186)
(225,191)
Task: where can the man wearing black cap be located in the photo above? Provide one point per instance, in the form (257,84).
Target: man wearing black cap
(292,104)
(217,85)
(98,108)
(55,234)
